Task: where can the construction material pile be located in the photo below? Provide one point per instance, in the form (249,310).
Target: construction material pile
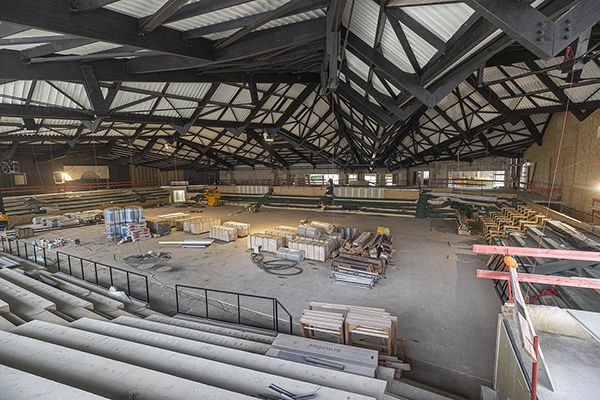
(362,260)
(224,233)
(138,231)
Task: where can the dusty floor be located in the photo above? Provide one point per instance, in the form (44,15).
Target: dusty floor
(430,285)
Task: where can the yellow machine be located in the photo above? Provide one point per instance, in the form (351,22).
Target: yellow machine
(213,196)
(5,222)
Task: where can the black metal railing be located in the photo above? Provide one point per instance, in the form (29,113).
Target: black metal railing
(233,307)
(135,285)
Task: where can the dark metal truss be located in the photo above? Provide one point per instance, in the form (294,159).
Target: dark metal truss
(292,86)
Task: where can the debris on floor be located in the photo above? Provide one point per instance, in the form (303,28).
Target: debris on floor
(191,243)
(161,255)
(50,243)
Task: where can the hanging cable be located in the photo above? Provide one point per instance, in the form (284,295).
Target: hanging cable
(562,134)
(332,161)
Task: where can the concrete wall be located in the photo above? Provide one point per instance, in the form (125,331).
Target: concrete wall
(578,157)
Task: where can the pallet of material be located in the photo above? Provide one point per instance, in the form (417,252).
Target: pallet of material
(179,224)
(243,229)
(173,218)
(203,225)
(315,249)
(269,243)
(154,225)
(286,228)
(287,236)
(223,233)
(138,231)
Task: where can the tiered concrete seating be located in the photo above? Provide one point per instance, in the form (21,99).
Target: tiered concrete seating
(72,341)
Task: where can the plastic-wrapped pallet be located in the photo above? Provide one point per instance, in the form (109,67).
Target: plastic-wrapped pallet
(224,233)
(286,228)
(179,224)
(204,225)
(138,231)
(243,229)
(275,242)
(337,237)
(329,228)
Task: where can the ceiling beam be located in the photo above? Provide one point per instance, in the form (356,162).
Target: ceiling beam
(258,139)
(183,130)
(151,22)
(102,24)
(81,6)
(202,7)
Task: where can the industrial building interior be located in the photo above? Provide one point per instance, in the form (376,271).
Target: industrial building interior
(295,199)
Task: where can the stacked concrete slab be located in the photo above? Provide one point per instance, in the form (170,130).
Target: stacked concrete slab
(64,338)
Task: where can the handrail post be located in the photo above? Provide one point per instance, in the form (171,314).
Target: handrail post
(274,312)
(96,272)
(70,269)
(82,271)
(45,261)
(239,310)
(206,301)
(177,298)
(147,290)
(58,261)
(128,284)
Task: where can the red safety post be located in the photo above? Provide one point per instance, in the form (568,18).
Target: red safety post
(534,370)
(536,252)
(589,283)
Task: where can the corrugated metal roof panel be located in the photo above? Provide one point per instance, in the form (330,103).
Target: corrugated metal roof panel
(89,49)
(193,90)
(45,94)
(227,14)
(582,93)
(292,19)
(224,93)
(29,33)
(13,92)
(422,49)
(221,35)
(363,21)
(137,8)
(393,50)
(357,66)
(150,86)
(441,19)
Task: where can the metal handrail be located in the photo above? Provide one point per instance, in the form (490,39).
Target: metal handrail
(81,262)
(276,305)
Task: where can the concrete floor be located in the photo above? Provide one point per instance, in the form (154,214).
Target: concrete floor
(430,285)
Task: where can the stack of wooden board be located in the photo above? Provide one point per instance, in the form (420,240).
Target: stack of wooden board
(224,233)
(374,325)
(352,360)
(313,321)
(243,229)
(269,243)
(173,218)
(200,226)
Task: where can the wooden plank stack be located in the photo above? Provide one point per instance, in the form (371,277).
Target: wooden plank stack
(498,223)
(375,327)
(224,233)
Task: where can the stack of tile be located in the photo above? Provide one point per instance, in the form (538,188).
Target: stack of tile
(243,229)
(138,231)
(223,233)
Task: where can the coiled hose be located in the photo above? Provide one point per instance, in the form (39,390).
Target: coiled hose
(274,267)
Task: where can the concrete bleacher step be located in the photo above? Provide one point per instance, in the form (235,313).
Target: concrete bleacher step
(5,324)
(100,301)
(133,306)
(17,384)
(99,375)
(199,336)
(201,326)
(212,373)
(4,307)
(289,369)
(414,390)
(68,305)
(14,319)
(26,305)
(227,325)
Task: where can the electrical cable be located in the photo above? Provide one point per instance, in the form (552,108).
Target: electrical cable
(274,267)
